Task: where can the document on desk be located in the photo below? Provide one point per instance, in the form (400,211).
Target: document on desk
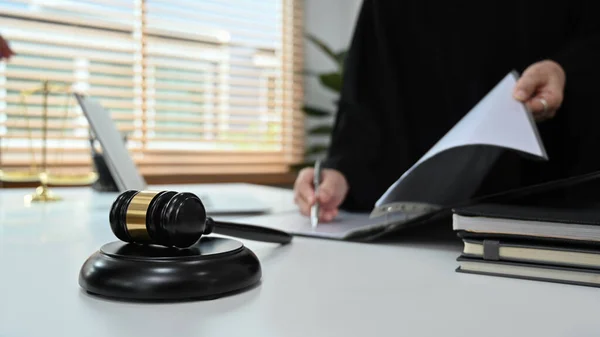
(452,170)
(346,226)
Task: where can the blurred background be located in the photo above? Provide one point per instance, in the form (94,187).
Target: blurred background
(202,91)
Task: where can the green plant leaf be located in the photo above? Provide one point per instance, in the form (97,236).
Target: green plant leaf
(316,149)
(321,45)
(321,130)
(332,81)
(316,112)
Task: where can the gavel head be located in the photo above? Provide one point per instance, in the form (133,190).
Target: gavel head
(164,218)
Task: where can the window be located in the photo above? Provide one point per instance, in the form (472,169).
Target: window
(196,87)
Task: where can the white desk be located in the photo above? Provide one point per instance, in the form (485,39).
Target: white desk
(310,288)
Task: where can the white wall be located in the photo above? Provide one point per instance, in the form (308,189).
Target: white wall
(332,21)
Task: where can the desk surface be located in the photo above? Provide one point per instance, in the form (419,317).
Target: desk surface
(401,287)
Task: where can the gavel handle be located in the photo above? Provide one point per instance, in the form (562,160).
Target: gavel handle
(251,232)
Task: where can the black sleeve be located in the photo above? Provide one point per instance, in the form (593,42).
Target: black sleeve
(582,54)
(579,115)
(357,141)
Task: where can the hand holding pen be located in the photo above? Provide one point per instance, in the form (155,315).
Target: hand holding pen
(327,192)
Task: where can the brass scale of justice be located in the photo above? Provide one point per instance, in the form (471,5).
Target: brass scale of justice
(41,173)
(164,251)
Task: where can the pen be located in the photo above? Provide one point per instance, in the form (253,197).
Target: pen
(314,210)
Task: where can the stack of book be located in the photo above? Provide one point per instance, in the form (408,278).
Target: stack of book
(530,242)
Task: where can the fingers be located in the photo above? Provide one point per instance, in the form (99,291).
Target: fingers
(327,203)
(305,198)
(329,195)
(328,215)
(537,104)
(325,193)
(541,89)
(546,101)
(303,190)
(543,106)
(528,84)
(303,206)
(325,215)
(330,190)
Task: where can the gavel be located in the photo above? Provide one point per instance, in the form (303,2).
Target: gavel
(176,219)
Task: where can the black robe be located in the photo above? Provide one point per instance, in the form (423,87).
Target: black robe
(416,67)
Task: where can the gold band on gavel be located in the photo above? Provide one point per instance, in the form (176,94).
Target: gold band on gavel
(136,215)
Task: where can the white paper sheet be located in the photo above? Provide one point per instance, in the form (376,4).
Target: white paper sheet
(340,228)
(497,120)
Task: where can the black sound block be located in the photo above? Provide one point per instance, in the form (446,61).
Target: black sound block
(211,268)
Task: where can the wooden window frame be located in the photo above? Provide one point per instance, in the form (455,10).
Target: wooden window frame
(277,172)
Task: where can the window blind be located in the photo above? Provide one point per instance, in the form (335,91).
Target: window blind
(210,87)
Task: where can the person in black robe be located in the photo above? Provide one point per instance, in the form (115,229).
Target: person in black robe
(416,67)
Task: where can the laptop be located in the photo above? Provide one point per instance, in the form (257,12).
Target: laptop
(127,176)
(232,204)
